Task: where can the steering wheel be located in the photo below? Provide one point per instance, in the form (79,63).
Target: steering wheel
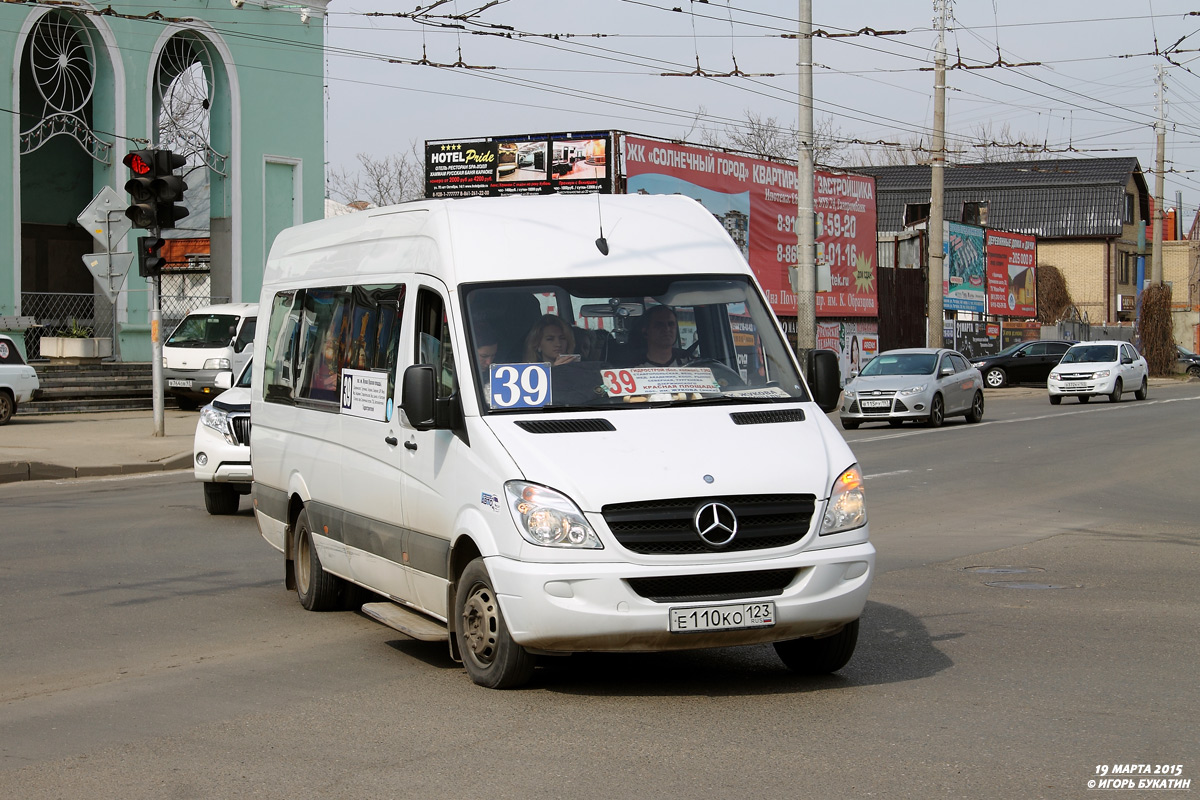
(693,350)
(726,378)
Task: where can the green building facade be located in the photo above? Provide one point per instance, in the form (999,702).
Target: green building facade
(234,85)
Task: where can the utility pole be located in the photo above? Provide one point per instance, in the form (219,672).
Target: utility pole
(805,281)
(937,179)
(1160,130)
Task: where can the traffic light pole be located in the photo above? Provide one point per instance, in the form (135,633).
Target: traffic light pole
(156,367)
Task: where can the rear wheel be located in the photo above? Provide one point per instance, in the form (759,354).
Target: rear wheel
(819,656)
(489,653)
(1115,397)
(1194,371)
(1141,393)
(995,378)
(221,498)
(1055,399)
(976,412)
(316,588)
(937,412)
(7,407)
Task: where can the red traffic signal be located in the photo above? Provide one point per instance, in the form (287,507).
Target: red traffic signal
(155,189)
(150,262)
(141,162)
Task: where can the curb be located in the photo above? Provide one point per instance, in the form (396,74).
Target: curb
(15,471)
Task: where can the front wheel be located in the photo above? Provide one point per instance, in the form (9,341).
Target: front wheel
(976,412)
(7,407)
(489,653)
(1143,391)
(221,498)
(1083,398)
(819,656)
(995,378)
(850,424)
(937,412)
(1194,371)
(1115,397)
(1055,399)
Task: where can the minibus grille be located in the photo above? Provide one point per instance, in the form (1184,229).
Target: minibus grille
(241,428)
(666,527)
(716,587)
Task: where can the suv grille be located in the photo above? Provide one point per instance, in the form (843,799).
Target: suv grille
(665,527)
(721,586)
(241,428)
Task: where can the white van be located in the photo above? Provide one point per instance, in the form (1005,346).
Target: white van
(420,432)
(209,341)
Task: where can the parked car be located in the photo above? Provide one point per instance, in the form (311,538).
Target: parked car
(221,451)
(18,380)
(925,384)
(1187,362)
(1023,362)
(1099,369)
(209,341)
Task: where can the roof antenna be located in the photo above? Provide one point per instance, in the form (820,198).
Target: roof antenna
(601,243)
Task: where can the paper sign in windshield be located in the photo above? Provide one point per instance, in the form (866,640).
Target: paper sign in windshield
(364,394)
(659,380)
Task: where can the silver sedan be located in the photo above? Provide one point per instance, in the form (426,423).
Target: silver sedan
(919,384)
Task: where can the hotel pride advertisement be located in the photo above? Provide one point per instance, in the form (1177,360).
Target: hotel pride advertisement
(756,202)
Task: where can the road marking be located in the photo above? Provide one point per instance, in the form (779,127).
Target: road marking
(886,474)
(1088,409)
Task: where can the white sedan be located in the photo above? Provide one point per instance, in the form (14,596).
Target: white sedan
(1099,369)
(18,380)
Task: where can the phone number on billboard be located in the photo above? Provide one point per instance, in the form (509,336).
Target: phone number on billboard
(836,255)
(832,225)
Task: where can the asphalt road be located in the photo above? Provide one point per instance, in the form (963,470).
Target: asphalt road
(1034,618)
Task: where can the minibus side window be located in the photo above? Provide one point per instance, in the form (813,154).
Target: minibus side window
(280,350)
(324,343)
(433,341)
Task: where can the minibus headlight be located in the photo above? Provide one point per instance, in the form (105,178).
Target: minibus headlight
(217,363)
(847,508)
(548,518)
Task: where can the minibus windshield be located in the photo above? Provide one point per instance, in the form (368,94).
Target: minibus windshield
(626,342)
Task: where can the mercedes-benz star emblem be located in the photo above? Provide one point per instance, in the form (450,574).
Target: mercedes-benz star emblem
(716,523)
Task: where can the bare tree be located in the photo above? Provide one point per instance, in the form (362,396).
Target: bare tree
(381,181)
(770,139)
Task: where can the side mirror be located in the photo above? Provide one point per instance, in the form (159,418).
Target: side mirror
(947,372)
(223,379)
(418,393)
(825,378)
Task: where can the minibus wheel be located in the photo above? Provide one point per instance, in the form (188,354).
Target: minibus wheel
(316,588)
(488,652)
(813,656)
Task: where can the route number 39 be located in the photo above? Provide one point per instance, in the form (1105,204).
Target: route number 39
(619,382)
(520,385)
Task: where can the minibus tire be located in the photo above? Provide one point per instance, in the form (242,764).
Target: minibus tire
(819,656)
(316,588)
(492,658)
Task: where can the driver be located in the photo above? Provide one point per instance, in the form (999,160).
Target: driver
(659,333)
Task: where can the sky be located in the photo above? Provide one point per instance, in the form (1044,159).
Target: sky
(670,68)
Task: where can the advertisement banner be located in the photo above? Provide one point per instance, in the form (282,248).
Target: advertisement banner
(755,201)
(963,276)
(856,343)
(1011,274)
(973,339)
(541,163)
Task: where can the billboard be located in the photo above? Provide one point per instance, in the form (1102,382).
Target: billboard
(963,273)
(755,200)
(1011,275)
(540,163)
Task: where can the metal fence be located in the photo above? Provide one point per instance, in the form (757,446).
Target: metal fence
(55,313)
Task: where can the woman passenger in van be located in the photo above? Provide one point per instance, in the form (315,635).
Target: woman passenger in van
(550,341)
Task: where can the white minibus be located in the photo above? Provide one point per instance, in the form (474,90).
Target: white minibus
(480,414)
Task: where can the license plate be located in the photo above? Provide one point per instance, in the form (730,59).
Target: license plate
(735,617)
(179,383)
(1075,385)
(875,403)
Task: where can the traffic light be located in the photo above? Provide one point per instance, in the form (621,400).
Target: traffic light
(169,188)
(150,263)
(143,211)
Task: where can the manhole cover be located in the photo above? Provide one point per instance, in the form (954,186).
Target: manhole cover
(1003,570)
(1028,585)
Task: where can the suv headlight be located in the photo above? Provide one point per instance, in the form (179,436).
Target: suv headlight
(847,508)
(216,419)
(217,363)
(548,518)
(913,390)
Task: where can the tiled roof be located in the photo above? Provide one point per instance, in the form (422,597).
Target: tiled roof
(1061,198)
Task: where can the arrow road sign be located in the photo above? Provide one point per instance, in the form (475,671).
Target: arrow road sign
(105,220)
(109,270)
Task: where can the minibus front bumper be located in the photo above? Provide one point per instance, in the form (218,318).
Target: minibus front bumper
(596,607)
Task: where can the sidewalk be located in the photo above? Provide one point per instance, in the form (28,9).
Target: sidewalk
(35,447)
